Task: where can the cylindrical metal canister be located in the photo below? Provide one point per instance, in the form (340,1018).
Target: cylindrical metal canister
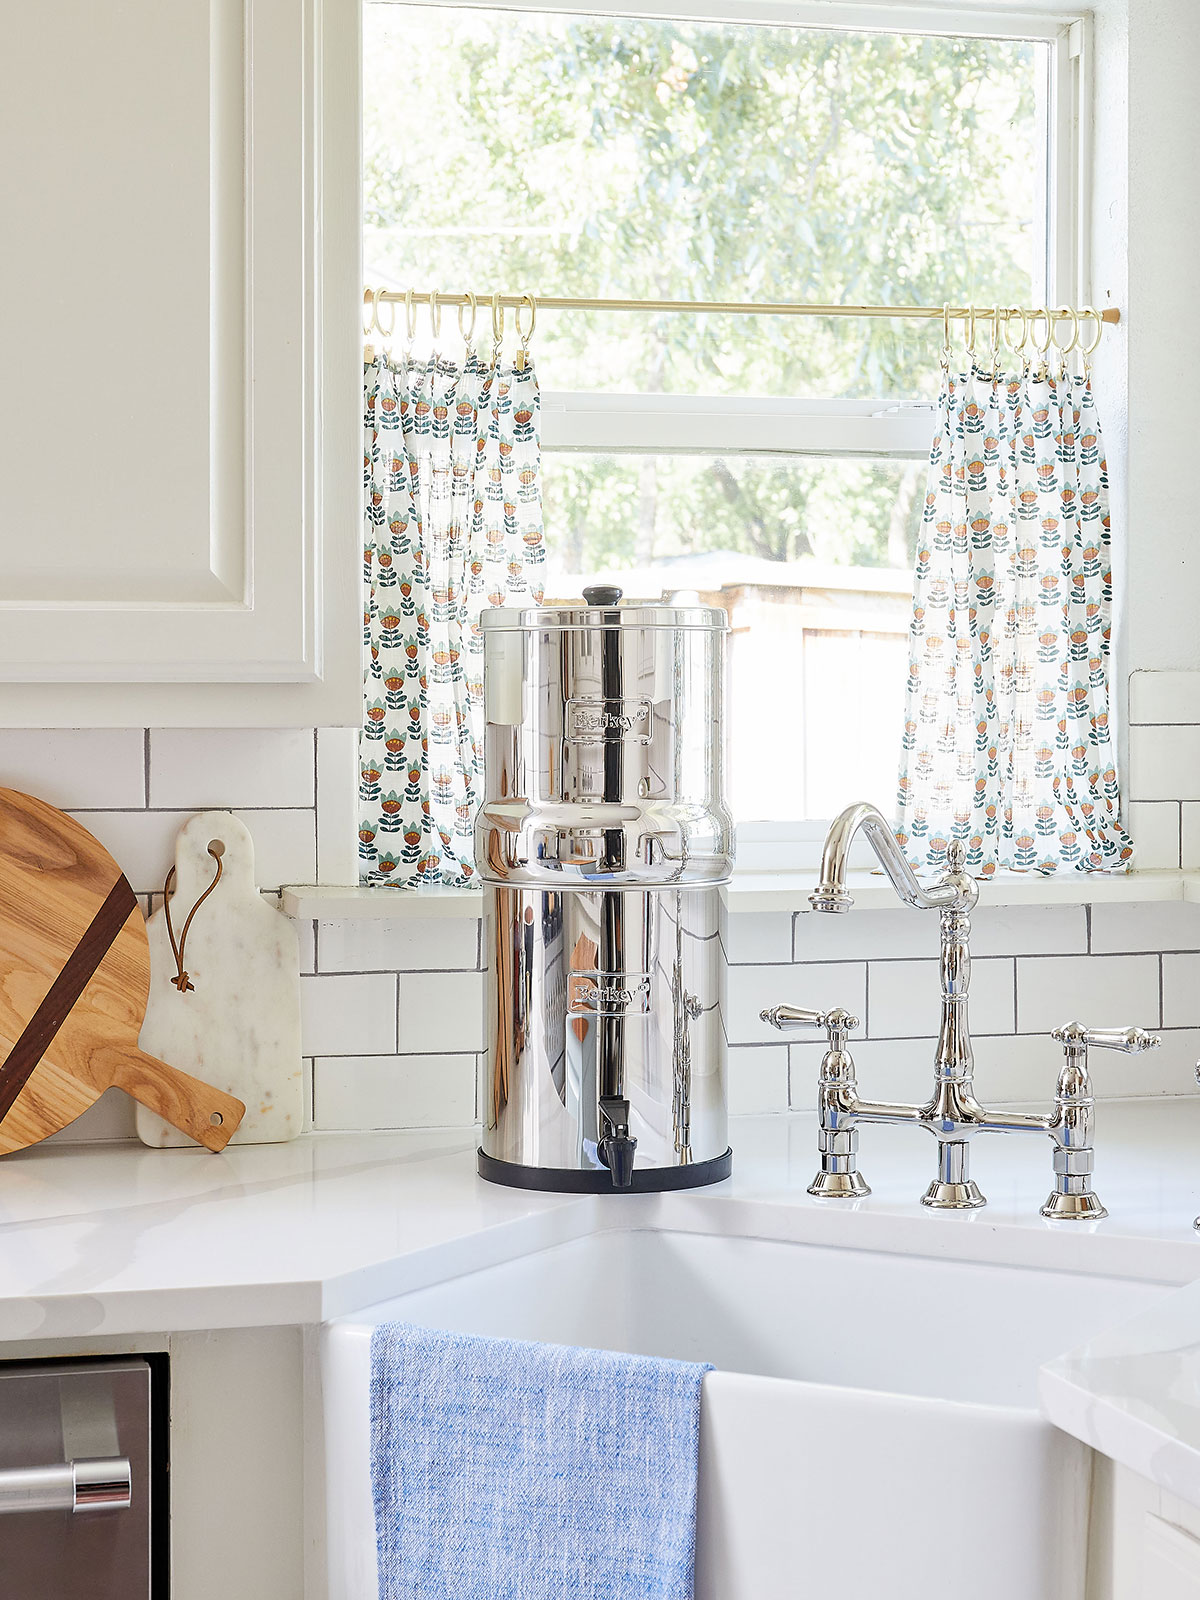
(602,841)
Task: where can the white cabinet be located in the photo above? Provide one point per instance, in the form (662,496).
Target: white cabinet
(1145,1541)
(1172,1561)
(180,388)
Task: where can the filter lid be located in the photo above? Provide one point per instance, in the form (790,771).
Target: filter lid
(602,608)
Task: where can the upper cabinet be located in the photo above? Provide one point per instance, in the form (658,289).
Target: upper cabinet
(180,388)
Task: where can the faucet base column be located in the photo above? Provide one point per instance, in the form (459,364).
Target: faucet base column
(839,1177)
(1073,1207)
(953,1189)
(839,1186)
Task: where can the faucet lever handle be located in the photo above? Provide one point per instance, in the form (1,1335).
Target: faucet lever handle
(789,1018)
(837,1138)
(1071,1123)
(1130,1041)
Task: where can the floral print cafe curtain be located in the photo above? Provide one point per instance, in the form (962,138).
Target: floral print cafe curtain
(1006,736)
(453,523)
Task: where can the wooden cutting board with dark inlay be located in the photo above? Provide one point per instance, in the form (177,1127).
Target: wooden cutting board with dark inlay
(74,980)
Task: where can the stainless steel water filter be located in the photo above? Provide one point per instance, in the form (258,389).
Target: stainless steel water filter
(602,841)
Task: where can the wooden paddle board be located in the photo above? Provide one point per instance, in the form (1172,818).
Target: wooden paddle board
(74,979)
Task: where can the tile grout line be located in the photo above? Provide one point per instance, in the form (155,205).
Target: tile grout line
(166,811)
(146,765)
(1162,1010)
(316,803)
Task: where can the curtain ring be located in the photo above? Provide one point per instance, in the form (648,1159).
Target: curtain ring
(1042,346)
(1087,351)
(1018,347)
(376,302)
(947,347)
(435,314)
(497,320)
(468,333)
(1068,311)
(368,322)
(971,332)
(410,316)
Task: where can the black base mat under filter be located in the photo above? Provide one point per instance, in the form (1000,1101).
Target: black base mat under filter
(566,1180)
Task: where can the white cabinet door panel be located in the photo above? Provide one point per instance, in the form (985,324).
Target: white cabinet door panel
(1172,1562)
(178,409)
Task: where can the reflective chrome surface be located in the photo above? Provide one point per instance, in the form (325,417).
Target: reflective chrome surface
(79,1529)
(605,1028)
(952,1114)
(603,753)
(601,841)
(106,1483)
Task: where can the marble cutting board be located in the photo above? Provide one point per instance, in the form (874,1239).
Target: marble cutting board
(239,1027)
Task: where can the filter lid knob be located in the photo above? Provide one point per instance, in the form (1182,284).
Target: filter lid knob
(602,594)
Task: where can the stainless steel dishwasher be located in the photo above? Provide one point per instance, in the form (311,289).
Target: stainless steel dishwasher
(78,1471)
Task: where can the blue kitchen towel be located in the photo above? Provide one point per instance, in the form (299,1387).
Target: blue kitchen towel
(511,1471)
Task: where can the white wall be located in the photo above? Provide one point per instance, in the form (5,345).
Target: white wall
(1162,554)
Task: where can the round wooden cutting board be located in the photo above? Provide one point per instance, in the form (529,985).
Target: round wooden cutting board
(74,980)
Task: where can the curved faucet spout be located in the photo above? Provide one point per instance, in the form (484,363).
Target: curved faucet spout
(831,893)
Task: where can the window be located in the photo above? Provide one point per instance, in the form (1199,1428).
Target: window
(773,465)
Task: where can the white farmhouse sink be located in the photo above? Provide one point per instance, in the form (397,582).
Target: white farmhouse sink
(871,1432)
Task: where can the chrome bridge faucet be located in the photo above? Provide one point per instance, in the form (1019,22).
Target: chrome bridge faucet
(952,1113)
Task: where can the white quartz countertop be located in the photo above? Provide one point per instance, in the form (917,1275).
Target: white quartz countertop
(119,1239)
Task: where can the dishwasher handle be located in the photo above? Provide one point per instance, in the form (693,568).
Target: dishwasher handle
(97,1484)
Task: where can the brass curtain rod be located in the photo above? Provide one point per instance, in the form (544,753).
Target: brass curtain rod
(740,308)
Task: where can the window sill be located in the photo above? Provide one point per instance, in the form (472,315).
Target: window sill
(757,892)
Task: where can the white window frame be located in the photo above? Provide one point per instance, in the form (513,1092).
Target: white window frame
(665,424)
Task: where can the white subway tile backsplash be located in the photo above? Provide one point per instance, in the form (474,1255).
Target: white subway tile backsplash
(1181,991)
(1164,763)
(888,1069)
(414,945)
(1157,925)
(1023,1070)
(227,768)
(76,767)
(904,997)
(756,937)
(875,935)
(1171,1069)
(753,989)
(1164,696)
(348,1014)
(864,935)
(417,1091)
(1154,828)
(392,1010)
(1099,991)
(1189,835)
(337,805)
(441,1012)
(758,1079)
(1017,1069)
(143,843)
(306,934)
(1028,930)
